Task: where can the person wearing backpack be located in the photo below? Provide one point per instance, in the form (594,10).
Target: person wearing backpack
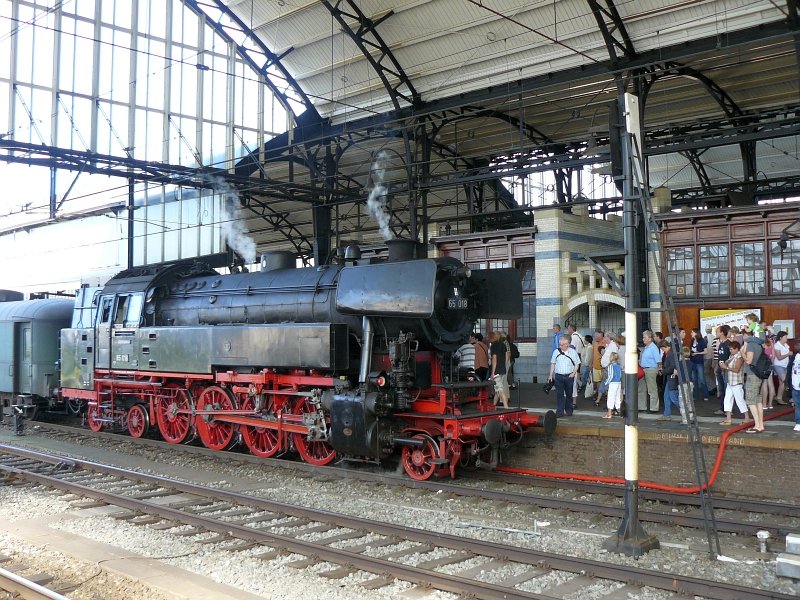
(500,358)
(514,354)
(754,358)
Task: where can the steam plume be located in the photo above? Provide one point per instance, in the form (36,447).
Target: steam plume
(377,199)
(233,225)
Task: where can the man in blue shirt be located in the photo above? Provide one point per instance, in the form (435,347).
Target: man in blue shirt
(650,361)
(556,336)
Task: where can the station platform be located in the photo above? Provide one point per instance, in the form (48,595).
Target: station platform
(764,465)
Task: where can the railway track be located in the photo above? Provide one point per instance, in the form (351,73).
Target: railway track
(603,499)
(243,521)
(31,587)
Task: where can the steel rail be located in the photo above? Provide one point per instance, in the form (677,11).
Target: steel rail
(26,589)
(664,581)
(693,521)
(720,502)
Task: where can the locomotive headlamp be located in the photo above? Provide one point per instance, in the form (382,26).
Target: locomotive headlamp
(379,380)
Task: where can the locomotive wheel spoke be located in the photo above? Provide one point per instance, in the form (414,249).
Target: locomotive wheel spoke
(92,417)
(174,413)
(138,421)
(314,452)
(418,460)
(216,435)
(261,441)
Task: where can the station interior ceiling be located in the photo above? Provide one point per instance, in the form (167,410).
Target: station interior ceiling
(466,99)
(445,112)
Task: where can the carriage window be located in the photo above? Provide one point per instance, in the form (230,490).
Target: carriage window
(26,344)
(104,314)
(134,312)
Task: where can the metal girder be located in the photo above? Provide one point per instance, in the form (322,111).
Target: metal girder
(763,125)
(386,66)
(763,32)
(279,221)
(368,40)
(779,187)
(693,156)
(258,56)
(610,23)
(477,112)
(155,172)
(674,69)
(725,101)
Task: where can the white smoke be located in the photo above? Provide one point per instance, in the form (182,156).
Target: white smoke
(377,201)
(233,224)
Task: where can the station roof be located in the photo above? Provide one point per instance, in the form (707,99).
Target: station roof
(505,86)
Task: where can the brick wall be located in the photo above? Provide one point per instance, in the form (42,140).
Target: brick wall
(752,468)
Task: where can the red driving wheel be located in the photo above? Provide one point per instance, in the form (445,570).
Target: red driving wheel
(93,417)
(138,421)
(314,452)
(174,413)
(215,434)
(261,441)
(418,461)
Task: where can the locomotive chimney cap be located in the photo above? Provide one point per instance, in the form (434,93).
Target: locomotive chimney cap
(404,249)
(352,252)
(278,259)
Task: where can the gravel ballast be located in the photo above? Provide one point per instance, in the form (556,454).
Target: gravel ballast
(683,550)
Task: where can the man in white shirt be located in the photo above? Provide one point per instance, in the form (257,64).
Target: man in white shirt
(575,342)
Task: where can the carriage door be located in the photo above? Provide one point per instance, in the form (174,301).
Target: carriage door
(25,364)
(125,324)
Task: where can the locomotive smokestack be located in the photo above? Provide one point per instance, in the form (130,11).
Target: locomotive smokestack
(402,249)
(278,259)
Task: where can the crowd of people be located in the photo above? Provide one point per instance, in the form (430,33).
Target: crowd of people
(726,362)
(495,362)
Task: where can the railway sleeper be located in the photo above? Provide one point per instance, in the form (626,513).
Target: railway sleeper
(215,539)
(271,554)
(339,573)
(445,560)
(377,582)
(304,563)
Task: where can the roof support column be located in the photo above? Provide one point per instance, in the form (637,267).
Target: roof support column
(631,538)
(421,178)
(322,212)
(793,10)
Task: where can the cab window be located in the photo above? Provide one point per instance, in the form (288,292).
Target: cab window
(134,310)
(104,314)
(119,313)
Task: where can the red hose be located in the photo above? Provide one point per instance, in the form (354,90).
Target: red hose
(644,484)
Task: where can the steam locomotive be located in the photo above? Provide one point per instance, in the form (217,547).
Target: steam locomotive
(344,360)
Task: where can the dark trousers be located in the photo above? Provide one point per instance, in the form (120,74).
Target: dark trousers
(722,385)
(564,384)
